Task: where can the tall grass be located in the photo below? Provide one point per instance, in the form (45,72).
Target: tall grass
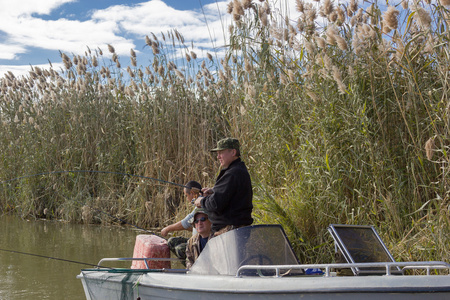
(343,115)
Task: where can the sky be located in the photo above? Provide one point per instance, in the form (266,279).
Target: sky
(33,32)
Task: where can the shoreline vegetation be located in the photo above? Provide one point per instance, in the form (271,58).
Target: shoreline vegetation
(343,117)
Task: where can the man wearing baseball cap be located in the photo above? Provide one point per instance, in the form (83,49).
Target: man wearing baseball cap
(229,202)
(197,242)
(177,244)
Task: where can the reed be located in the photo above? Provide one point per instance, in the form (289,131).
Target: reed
(343,115)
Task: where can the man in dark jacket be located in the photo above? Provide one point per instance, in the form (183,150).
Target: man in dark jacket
(229,202)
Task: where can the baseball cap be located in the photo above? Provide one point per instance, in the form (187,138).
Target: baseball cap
(227,143)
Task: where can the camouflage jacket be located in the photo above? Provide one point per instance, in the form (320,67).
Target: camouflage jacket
(193,249)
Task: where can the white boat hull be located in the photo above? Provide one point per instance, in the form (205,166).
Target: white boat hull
(156,285)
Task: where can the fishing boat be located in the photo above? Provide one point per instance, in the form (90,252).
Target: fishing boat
(257,262)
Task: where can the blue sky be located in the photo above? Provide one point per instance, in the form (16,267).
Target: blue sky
(32,32)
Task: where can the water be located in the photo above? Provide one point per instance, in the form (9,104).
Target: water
(29,277)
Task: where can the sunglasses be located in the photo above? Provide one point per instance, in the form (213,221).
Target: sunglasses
(203,219)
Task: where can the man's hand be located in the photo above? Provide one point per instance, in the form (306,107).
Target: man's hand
(197,202)
(207,191)
(165,231)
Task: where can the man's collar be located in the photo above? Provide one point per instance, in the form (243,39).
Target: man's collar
(233,162)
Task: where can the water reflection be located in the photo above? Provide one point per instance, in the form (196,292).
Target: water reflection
(29,277)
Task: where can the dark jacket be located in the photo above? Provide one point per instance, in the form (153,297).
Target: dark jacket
(231,202)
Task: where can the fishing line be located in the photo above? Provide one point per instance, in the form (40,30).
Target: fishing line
(125,222)
(55,258)
(98,210)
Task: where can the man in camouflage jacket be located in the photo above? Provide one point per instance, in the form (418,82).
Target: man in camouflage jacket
(197,242)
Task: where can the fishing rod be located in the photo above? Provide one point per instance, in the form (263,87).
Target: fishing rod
(103,172)
(55,258)
(94,171)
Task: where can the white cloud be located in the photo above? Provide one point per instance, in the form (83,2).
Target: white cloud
(62,34)
(10,51)
(19,8)
(156,17)
(153,12)
(24,70)
(67,35)
(22,28)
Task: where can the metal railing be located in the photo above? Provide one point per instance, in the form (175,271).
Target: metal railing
(135,258)
(388,266)
(426,265)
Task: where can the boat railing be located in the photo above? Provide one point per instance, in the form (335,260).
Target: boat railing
(424,265)
(278,269)
(145,259)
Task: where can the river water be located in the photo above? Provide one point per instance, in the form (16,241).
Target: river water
(30,277)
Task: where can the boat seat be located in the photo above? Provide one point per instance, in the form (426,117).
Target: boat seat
(361,244)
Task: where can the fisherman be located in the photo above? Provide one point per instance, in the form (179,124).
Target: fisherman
(229,202)
(197,242)
(178,244)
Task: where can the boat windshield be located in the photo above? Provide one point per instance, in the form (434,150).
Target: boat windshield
(251,245)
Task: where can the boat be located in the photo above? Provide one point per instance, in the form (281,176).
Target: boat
(258,262)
